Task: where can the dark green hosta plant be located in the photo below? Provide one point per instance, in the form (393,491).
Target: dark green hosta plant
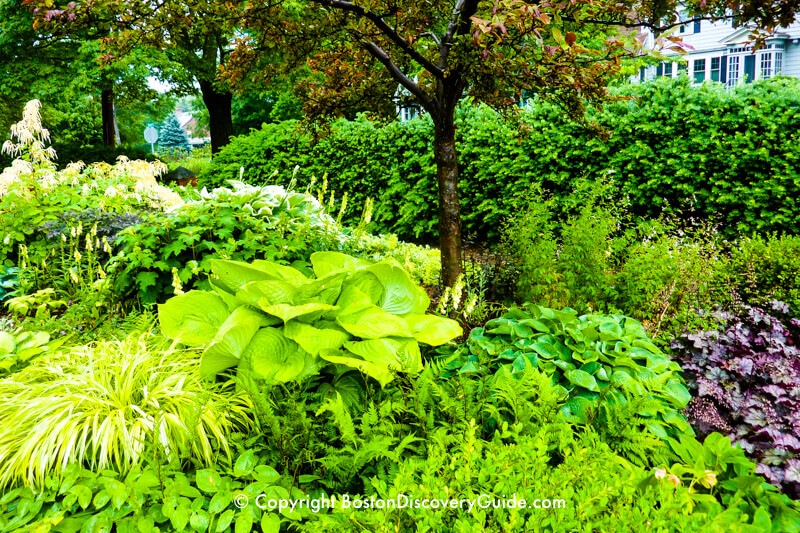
(273,321)
(596,358)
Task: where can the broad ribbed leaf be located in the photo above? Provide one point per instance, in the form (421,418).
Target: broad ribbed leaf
(233,275)
(582,379)
(400,294)
(312,339)
(352,298)
(372,322)
(380,373)
(7,343)
(326,262)
(231,340)
(273,356)
(305,312)
(282,272)
(192,318)
(324,290)
(433,330)
(396,353)
(369,284)
(273,291)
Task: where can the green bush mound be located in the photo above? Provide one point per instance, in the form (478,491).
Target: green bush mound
(708,151)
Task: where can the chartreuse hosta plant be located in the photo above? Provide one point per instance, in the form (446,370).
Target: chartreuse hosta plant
(19,348)
(597,359)
(281,325)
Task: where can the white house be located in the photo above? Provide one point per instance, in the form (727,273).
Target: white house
(719,52)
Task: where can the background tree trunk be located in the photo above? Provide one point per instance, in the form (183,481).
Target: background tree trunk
(219,115)
(446,157)
(109,122)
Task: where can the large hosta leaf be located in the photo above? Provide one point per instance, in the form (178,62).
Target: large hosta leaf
(400,294)
(379,372)
(233,275)
(7,343)
(304,313)
(273,356)
(433,330)
(283,272)
(312,339)
(398,354)
(326,262)
(324,290)
(273,291)
(231,340)
(369,285)
(352,298)
(192,318)
(372,322)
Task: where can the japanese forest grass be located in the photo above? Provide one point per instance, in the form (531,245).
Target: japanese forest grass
(275,323)
(107,405)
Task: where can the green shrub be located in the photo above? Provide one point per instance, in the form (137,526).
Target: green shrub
(20,348)
(763,268)
(703,151)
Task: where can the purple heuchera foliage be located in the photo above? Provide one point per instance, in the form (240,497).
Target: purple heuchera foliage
(746,378)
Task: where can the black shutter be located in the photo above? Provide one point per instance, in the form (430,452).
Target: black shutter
(641,74)
(723,69)
(750,68)
(659,70)
(697,26)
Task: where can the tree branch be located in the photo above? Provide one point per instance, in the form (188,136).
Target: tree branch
(397,74)
(386,30)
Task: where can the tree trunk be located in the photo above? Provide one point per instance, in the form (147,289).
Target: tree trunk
(219,114)
(446,157)
(109,123)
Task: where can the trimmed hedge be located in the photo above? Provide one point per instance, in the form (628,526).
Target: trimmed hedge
(705,151)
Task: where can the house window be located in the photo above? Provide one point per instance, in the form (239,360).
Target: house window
(683,28)
(407,113)
(666,69)
(733,70)
(682,68)
(715,62)
(697,24)
(699,70)
(771,64)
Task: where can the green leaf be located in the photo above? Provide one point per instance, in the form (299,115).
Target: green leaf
(312,339)
(273,356)
(433,330)
(677,393)
(397,354)
(225,520)
(7,343)
(219,502)
(200,520)
(271,291)
(380,373)
(233,275)
(582,379)
(278,271)
(372,322)
(305,312)
(244,464)
(270,523)
(233,337)
(209,481)
(400,294)
(192,318)
(324,263)
(244,523)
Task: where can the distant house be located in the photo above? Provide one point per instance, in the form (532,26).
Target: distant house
(721,53)
(188,123)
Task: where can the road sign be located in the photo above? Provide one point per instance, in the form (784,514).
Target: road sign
(151,136)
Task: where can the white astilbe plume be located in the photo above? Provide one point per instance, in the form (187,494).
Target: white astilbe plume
(31,136)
